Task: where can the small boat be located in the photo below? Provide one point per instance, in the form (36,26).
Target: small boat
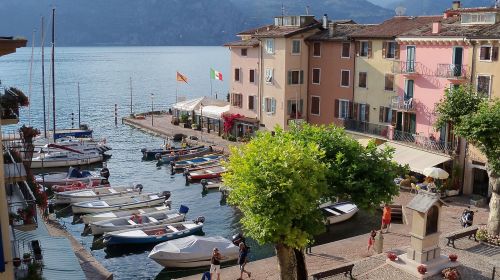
(183,156)
(338,212)
(197,161)
(79,185)
(193,251)
(96,217)
(56,158)
(211,184)
(139,221)
(153,234)
(121,203)
(202,166)
(95,194)
(151,154)
(207,173)
(67,178)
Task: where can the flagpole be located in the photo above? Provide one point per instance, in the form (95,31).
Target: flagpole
(210,86)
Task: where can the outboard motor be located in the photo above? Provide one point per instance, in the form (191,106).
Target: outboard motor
(204,184)
(238,238)
(185,173)
(467,218)
(166,194)
(104,173)
(139,187)
(200,219)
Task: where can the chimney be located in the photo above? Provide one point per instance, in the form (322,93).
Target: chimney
(455,5)
(331,29)
(436,27)
(325,21)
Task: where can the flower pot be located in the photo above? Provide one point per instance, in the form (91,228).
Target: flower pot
(16,262)
(453,257)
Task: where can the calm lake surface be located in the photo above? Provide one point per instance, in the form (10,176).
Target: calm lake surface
(103,74)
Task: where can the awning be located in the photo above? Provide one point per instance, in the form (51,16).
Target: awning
(188,105)
(213,112)
(417,159)
(247,120)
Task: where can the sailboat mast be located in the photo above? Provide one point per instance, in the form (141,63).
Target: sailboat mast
(53,78)
(79,124)
(131,96)
(31,76)
(43,80)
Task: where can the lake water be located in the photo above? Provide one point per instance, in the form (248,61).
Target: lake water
(103,74)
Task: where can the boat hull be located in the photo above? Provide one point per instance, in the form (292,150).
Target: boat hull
(35,164)
(80,209)
(102,216)
(61,198)
(111,239)
(193,263)
(98,229)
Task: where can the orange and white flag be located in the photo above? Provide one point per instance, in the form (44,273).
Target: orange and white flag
(181,78)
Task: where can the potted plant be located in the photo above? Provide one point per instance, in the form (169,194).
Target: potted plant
(26,214)
(392,256)
(450,273)
(26,257)
(453,257)
(16,261)
(482,234)
(422,269)
(184,118)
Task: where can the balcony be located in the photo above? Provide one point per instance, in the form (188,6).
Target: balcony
(425,143)
(367,128)
(457,72)
(10,102)
(408,68)
(402,104)
(22,206)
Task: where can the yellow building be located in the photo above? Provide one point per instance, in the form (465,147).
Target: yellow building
(284,66)
(7,45)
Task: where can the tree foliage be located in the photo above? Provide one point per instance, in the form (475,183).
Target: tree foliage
(277,183)
(457,102)
(363,175)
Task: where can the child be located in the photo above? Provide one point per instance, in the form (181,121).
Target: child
(371,240)
(386,218)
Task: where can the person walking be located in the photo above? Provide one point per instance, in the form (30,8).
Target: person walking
(215,263)
(386,218)
(371,240)
(242,260)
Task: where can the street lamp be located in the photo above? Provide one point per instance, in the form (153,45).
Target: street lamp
(152,107)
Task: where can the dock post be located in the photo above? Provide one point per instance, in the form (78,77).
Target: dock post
(72,119)
(116,114)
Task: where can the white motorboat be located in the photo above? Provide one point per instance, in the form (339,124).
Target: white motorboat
(139,221)
(121,203)
(55,158)
(95,194)
(338,212)
(67,178)
(96,217)
(192,251)
(79,144)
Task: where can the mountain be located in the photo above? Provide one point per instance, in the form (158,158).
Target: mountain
(183,22)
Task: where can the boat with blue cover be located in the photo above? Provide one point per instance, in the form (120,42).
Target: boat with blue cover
(151,154)
(193,162)
(165,159)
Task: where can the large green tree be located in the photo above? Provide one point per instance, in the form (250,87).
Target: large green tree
(477,120)
(278,183)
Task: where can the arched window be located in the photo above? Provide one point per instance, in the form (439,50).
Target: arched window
(432,220)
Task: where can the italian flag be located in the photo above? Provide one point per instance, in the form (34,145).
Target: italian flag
(215,75)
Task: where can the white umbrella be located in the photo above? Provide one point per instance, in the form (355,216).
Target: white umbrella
(435,172)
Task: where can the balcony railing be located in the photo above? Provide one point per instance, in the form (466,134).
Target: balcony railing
(367,128)
(402,104)
(452,71)
(426,143)
(406,67)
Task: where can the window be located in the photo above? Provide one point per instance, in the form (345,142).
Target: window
(252,75)
(362,80)
(292,109)
(315,105)
(243,52)
(346,50)
(237,100)
(316,72)
(237,76)
(362,113)
(409,89)
(389,82)
(483,85)
(343,109)
(317,49)
(251,102)
(295,77)
(269,105)
(295,46)
(485,53)
(478,18)
(385,114)
(344,80)
(390,49)
(270,46)
(364,50)
(269,75)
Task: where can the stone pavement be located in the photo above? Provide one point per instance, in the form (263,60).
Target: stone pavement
(475,257)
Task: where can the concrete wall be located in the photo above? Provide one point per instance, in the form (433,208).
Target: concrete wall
(374,94)
(244,86)
(331,63)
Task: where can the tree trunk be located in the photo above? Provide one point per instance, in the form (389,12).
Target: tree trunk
(494,218)
(287,262)
(301,264)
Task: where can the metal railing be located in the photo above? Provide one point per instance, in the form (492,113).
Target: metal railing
(367,128)
(452,71)
(426,143)
(406,67)
(402,104)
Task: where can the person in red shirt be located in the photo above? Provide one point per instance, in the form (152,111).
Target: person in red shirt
(386,218)
(371,240)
